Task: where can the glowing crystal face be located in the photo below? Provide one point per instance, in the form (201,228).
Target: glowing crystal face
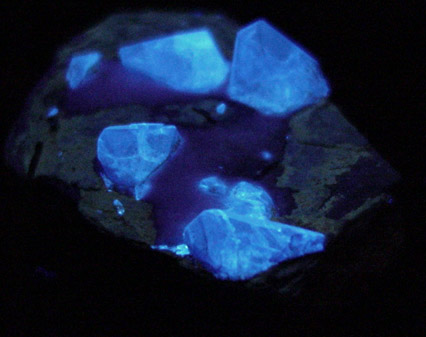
(236,247)
(240,241)
(250,200)
(272,74)
(179,250)
(221,108)
(129,154)
(80,66)
(214,186)
(189,62)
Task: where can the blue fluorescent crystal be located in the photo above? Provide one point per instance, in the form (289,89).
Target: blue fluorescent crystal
(250,200)
(214,186)
(243,198)
(119,207)
(80,66)
(180,250)
(272,74)
(188,61)
(240,240)
(142,190)
(221,108)
(236,247)
(130,154)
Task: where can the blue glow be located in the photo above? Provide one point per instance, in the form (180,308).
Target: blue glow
(249,200)
(142,190)
(189,61)
(214,186)
(52,112)
(272,74)
(129,154)
(79,67)
(179,250)
(237,247)
(240,241)
(108,183)
(203,179)
(119,207)
(243,198)
(266,155)
(221,108)
(229,150)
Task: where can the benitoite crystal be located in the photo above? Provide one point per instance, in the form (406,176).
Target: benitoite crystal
(221,108)
(80,66)
(251,200)
(235,246)
(240,241)
(272,74)
(188,61)
(179,250)
(214,186)
(130,154)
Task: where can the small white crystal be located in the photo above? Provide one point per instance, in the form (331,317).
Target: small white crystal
(119,207)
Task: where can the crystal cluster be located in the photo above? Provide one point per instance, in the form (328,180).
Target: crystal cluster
(235,238)
(240,241)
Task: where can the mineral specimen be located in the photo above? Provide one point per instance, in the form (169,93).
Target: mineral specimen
(129,154)
(188,61)
(318,170)
(271,73)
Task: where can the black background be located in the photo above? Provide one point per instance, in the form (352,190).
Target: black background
(371,53)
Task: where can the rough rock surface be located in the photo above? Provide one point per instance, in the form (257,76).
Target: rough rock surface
(332,172)
(46,147)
